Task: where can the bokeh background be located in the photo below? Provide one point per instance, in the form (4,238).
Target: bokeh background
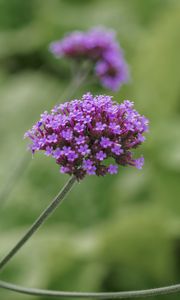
(114,233)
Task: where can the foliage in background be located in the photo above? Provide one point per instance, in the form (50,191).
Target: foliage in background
(113,233)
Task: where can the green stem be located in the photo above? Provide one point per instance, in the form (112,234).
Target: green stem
(79,78)
(14,177)
(116,295)
(39,221)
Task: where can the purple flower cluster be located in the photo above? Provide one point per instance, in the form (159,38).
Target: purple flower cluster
(98,45)
(90,136)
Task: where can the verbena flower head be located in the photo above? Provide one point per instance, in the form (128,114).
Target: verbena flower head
(100,46)
(90,136)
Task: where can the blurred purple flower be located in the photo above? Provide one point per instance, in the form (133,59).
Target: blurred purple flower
(100,47)
(86,151)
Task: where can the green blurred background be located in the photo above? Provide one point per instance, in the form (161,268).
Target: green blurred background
(114,233)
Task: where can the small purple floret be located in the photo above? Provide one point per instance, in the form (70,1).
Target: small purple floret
(83,148)
(101,155)
(117,149)
(139,163)
(49,151)
(113,169)
(80,140)
(64,169)
(58,153)
(72,155)
(67,134)
(105,142)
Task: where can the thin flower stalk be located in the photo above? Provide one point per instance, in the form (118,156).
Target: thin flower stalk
(39,221)
(166,290)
